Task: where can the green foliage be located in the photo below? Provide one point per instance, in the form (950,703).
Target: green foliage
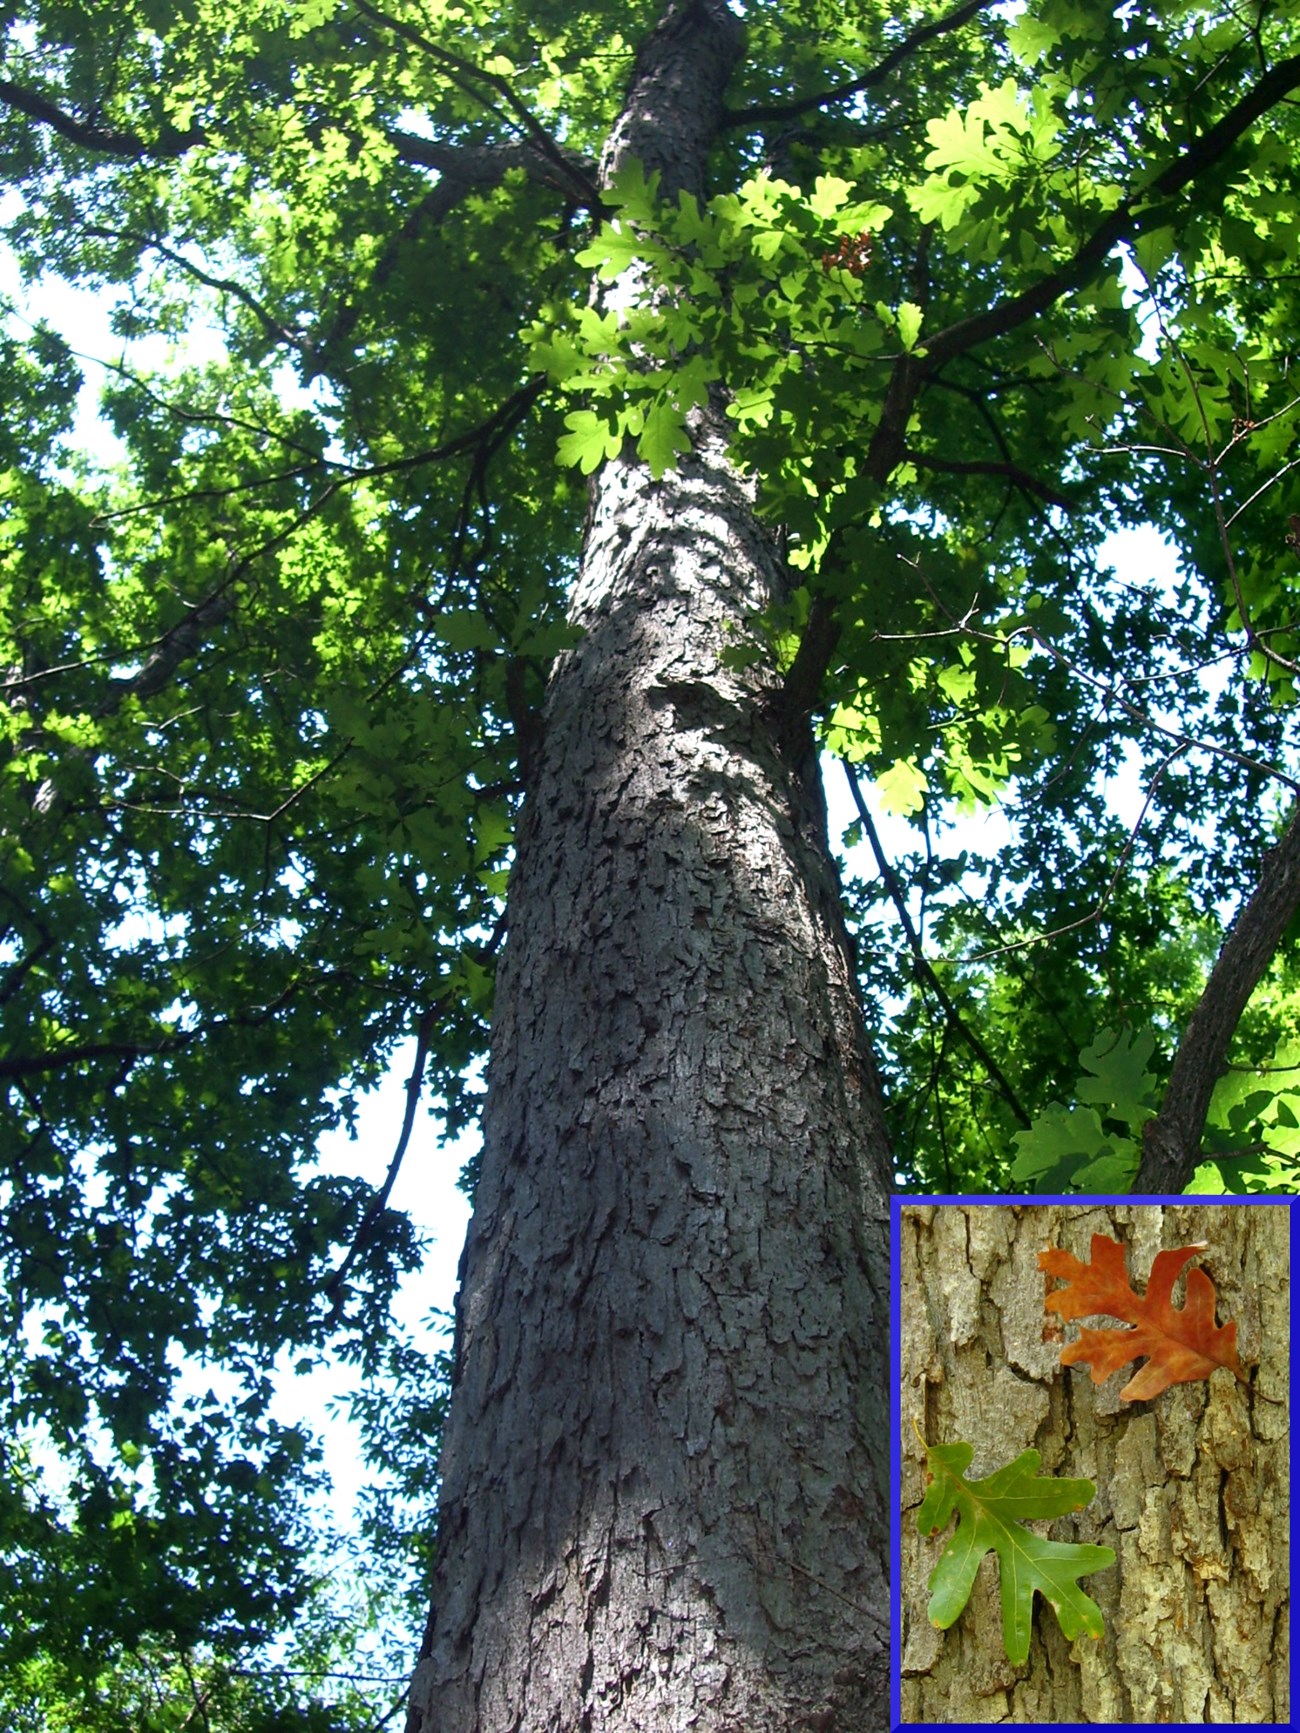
(991,1516)
(327,1681)
(1081,1147)
(1254,1127)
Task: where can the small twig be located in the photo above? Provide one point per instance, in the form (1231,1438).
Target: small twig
(1012,472)
(922,964)
(855,87)
(225,285)
(1100,908)
(334,1288)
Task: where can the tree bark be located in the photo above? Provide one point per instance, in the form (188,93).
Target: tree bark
(1172,1140)
(664,1467)
(1192,1487)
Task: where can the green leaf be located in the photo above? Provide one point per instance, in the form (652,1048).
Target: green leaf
(829,195)
(1120,1081)
(1068,1147)
(590,441)
(902,787)
(909,325)
(1060,1139)
(663,438)
(991,1515)
(466,629)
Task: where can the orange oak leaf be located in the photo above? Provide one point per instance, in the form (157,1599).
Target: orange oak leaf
(1181,1345)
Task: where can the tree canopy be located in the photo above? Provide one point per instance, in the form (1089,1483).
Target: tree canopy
(979,285)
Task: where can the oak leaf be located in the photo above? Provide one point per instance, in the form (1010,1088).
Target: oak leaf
(991,1513)
(1180,1344)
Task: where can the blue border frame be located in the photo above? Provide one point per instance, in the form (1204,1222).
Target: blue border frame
(897,1203)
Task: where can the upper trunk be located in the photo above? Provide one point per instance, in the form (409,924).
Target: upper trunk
(664,1470)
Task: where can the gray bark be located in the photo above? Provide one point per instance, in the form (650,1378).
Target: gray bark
(1192,1487)
(664,1468)
(1172,1140)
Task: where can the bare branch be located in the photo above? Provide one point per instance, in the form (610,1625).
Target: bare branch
(802,684)
(1135,713)
(1172,1140)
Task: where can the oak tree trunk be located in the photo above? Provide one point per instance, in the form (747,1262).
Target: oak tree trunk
(663,1476)
(1192,1487)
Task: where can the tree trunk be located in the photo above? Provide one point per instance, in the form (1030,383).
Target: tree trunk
(664,1469)
(1192,1486)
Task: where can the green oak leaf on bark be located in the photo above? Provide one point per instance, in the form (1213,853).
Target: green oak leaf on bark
(991,1515)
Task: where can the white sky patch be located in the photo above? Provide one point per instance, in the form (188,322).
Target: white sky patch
(1145,558)
(427,1191)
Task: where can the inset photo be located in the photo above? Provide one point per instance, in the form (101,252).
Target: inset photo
(1094,1458)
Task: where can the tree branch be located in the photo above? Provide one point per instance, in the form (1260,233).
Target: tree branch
(334,1289)
(21,1065)
(105,139)
(1142,209)
(801,687)
(462,170)
(921,962)
(470,78)
(1019,477)
(1172,1140)
(224,285)
(924,33)
(466,168)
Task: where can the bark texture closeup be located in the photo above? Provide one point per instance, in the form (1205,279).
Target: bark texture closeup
(664,1475)
(1192,1487)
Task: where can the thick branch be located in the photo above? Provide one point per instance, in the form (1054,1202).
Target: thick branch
(474,81)
(803,682)
(462,170)
(106,139)
(845,92)
(1142,209)
(975,466)
(467,168)
(1173,1138)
